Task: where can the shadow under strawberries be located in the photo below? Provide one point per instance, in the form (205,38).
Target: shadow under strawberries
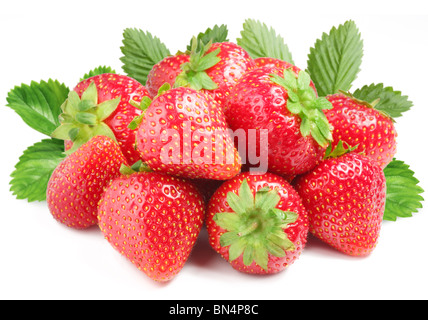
(203,254)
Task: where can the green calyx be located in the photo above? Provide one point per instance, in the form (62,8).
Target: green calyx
(193,74)
(339,150)
(83,118)
(138,166)
(256,227)
(302,101)
(144,104)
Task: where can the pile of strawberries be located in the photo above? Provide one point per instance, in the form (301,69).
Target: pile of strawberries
(242,146)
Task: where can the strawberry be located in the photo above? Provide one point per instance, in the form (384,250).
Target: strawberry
(76,184)
(183,132)
(100,106)
(152,219)
(214,68)
(284,105)
(345,198)
(359,124)
(165,71)
(279,64)
(273,62)
(234,63)
(257,222)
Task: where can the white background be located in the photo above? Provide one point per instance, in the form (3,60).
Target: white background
(41,259)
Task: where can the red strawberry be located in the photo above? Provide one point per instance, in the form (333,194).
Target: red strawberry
(288,110)
(358,123)
(214,68)
(183,132)
(100,106)
(273,62)
(257,222)
(76,185)
(279,64)
(345,199)
(165,71)
(152,219)
(234,63)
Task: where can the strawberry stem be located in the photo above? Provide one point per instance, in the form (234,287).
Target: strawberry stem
(194,72)
(303,101)
(251,228)
(255,228)
(83,118)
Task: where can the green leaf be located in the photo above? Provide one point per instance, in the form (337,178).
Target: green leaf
(260,41)
(34,168)
(391,102)
(97,71)
(216,34)
(334,61)
(39,104)
(141,52)
(403,194)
